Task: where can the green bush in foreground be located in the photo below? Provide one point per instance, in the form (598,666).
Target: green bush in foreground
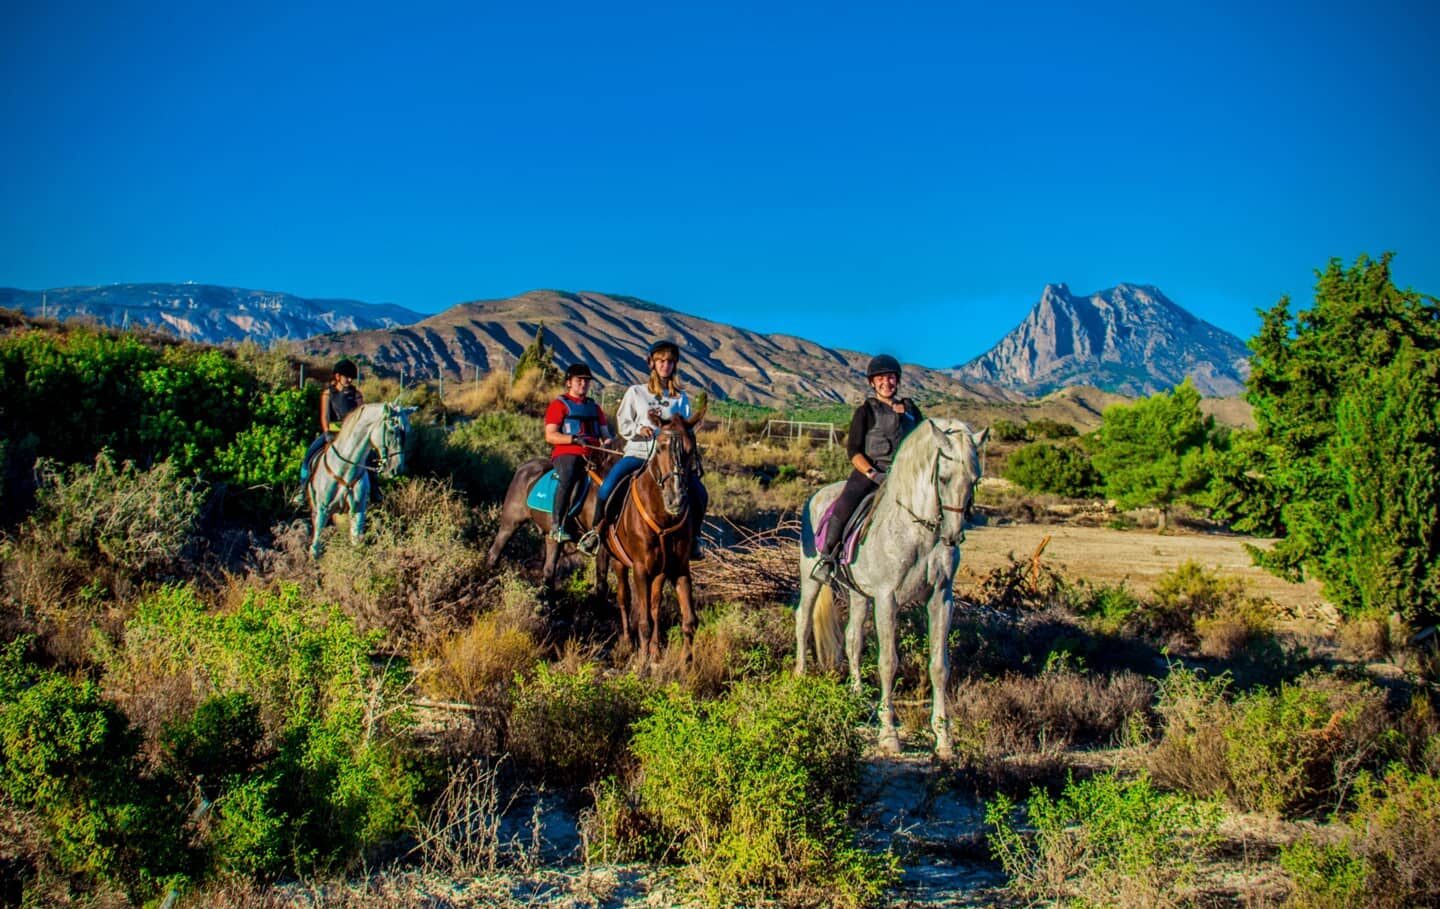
(572,726)
(334,781)
(1104,842)
(1389,856)
(69,756)
(752,791)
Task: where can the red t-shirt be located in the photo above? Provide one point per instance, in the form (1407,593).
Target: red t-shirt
(555,415)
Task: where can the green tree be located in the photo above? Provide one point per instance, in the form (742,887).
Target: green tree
(1347,412)
(538,355)
(1155,452)
(1061,469)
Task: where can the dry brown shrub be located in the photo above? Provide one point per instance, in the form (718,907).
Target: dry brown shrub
(1369,636)
(737,642)
(476,664)
(1234,627)
(759,567)
(416,575)
(1054,710)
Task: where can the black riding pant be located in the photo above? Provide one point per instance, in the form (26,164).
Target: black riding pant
(857,487)
(568,470)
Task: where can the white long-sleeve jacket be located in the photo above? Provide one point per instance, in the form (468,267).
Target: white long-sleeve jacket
(634,415)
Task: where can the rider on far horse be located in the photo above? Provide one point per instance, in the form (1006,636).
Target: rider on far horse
(876,430)
(643,411)
(574,423)
(337,401)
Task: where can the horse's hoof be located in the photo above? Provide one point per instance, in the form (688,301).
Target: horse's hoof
(944,751)
(890,743)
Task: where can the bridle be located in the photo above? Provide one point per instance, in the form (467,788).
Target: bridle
(967,505)
(679,465)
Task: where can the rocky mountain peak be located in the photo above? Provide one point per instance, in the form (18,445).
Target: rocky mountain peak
(1130,339)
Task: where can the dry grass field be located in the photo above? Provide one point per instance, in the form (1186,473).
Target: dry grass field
(1136,557)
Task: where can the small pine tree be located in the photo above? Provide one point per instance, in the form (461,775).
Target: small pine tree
(541,356)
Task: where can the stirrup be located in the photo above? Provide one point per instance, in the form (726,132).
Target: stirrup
(824,570)
(589,542)
(560,535)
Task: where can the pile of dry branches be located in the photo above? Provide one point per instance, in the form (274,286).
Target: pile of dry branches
(760,566)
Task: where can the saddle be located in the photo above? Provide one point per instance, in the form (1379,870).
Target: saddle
(542,494)
(853,536)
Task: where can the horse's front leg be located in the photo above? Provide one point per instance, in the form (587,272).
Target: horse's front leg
(942,608)
(552,557)
(885,636)
(321,515)
(357,517)
(657,597)
(687,616)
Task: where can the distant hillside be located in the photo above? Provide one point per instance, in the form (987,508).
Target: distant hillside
(1130,339)
(611,333)
(204,312)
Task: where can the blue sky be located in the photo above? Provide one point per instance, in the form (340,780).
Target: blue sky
(883,177)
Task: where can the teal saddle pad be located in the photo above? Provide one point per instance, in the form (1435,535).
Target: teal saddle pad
(542,494)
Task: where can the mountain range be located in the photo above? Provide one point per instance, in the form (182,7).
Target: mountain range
(612,334)
(1129,339)
(205,312)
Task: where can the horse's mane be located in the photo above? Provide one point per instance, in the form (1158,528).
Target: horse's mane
(910,471)
(357,415)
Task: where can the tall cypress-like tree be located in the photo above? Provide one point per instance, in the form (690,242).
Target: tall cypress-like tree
(538,355)
(1347,412)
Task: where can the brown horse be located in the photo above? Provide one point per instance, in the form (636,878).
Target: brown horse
(515,512)
(650,542)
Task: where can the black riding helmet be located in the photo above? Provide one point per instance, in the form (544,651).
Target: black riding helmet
(348,369)
(660,346)
(882,364)
(578,370)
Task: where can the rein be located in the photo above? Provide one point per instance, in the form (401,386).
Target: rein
(936,525)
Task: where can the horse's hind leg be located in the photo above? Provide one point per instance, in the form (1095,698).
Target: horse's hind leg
(809,590)
(502,536)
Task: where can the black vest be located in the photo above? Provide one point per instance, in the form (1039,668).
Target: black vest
(582,419)
(341,404)
(887,429)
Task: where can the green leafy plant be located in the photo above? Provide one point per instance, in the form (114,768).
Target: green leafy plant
(1104,842)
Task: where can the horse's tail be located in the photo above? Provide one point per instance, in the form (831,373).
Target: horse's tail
(826,622)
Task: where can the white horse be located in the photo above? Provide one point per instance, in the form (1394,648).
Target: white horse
(908,555)
(340,480)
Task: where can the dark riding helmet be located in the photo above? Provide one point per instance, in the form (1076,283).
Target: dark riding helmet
(348,369)
(882,364)
(578,371)
(662,346)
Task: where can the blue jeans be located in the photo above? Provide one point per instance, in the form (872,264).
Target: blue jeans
(622,469)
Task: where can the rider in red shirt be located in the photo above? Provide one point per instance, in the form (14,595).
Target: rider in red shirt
(573,424)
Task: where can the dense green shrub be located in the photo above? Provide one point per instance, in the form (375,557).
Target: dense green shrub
(209,412)
(69,756)
(572,726)
(752,791)
(480,455)
(1283,752)
(1060,469)
(1009,431)
(334,781)
(1047,428)
(1105,842)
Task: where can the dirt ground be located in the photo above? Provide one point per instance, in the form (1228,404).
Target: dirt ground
(1136,557)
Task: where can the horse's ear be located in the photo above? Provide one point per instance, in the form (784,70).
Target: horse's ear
(981,437)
